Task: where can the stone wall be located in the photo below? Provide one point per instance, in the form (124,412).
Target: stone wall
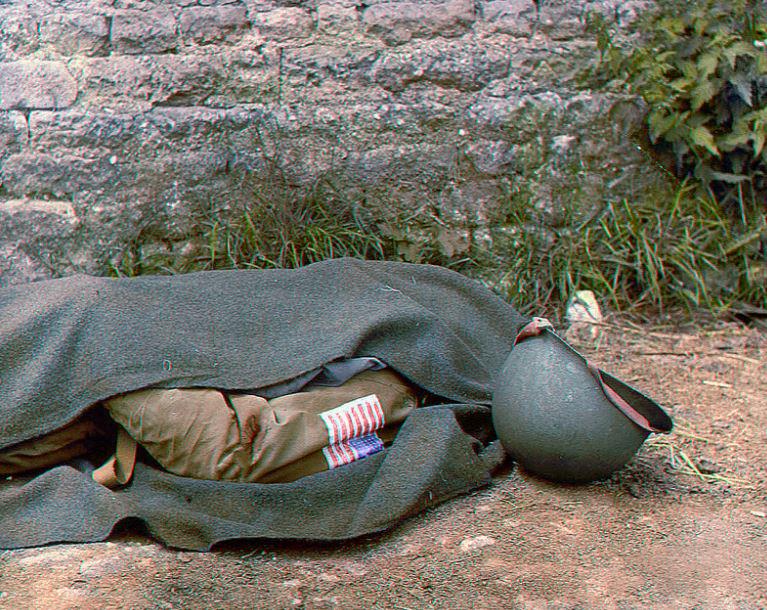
(125,118)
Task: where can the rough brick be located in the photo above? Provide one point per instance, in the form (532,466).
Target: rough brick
(76,33)
(181,100)
(398,22)
(29,84)
(45,225)
(190,126)
(328,67)
(284,23)
(140,82)
(144,31)
(429,164)
(513,17)
(561,19)
(337,19)
(188,3)
(118,82)
(72,129)
(179,171)
(16,265)
(491,157)
(205,24)
(27,173)
(18,33)
(13,132)
(89,7)
(58,210)
(455,66)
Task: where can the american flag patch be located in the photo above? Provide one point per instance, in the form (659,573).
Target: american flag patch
(346,452)
(353,419)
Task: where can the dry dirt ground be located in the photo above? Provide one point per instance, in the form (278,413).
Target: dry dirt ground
(683,526)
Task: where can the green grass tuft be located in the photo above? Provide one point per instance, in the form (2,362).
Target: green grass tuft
(679,250)
(636,255)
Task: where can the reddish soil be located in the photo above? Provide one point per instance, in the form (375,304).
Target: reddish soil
(684,525)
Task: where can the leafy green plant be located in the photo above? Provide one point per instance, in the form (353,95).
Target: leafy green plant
(701,67)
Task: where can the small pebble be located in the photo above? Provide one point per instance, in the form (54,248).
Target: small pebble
(472,544)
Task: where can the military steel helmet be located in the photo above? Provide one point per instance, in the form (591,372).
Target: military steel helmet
(564,419)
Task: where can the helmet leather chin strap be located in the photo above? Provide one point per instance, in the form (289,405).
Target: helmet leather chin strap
(533,328)
(537,325)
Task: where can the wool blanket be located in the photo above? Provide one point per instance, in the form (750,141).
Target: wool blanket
(67,344)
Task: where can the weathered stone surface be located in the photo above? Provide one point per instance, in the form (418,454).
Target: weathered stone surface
(439,158)
(144,112)
(13,133)
(186,147)
(283,23)
(398,22)
(76,33)
(513,17)
(325,74)
(73,129)
(144,31)
(53,224)
(141,82)
(491,157)
(561,20)
(194,125)
(205,24)
(624,12)
(29,174)
(55,211)
(456,65)
(337,19)
(21,263)
(33,84)
(175,173)
(44,8)
(18,33)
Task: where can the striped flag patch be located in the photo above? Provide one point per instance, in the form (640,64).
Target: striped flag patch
(351,430)
(356,418)
(346,452)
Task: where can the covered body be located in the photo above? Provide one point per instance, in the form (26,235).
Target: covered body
(67,344)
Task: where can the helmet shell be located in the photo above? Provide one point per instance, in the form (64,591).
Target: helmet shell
(553,416)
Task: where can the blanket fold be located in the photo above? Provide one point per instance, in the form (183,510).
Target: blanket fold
(69,343)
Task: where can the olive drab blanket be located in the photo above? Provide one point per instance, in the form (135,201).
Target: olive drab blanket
(69,343)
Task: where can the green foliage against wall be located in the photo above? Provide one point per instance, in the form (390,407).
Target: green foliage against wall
(701,67)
